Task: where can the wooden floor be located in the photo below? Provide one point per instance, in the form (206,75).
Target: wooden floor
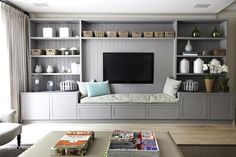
(182,133)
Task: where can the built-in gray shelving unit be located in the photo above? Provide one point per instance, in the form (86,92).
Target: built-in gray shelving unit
(204,42)
(37,41)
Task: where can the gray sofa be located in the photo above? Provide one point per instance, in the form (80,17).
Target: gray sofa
(8,129)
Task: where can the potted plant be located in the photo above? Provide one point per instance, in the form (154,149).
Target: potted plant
(214,68)
(223,86)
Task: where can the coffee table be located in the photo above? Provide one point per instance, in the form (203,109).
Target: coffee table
(168,148)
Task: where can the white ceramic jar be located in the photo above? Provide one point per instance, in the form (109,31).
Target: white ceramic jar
(184,66)
(198,66)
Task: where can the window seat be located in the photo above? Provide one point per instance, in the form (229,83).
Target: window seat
(130,98)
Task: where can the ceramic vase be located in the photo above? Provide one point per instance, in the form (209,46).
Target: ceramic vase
(209,84)
(50,69)
(196,32)
(188,46)
(38,69)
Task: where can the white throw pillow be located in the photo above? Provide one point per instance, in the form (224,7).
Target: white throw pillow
(83,88)
(171,87)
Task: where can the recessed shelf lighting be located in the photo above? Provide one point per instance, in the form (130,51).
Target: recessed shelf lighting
(202,5)
(40,4)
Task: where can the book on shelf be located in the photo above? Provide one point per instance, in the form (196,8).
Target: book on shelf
(73,143)
(132,143)
(186,53)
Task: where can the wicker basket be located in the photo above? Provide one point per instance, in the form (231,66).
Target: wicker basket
(159,34)
(169,34)
(148,34)
(190,86)
(219,52)
(123,34)
(99,34)
(36,52)
(87,33)
(111,34)
(51,52)
(136,34)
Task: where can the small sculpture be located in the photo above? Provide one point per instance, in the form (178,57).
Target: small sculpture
(38,69)
(50,69)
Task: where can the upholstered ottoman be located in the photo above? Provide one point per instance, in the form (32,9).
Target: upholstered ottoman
(8,131)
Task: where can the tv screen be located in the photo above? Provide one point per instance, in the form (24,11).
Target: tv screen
(128,67)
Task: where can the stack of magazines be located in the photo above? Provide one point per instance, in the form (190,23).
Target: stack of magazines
(73,143)
(130,143)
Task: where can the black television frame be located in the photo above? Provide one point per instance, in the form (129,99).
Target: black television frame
(151,81)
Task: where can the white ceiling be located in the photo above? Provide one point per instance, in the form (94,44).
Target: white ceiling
(123,6)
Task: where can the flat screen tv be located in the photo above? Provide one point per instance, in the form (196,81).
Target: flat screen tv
(128,67)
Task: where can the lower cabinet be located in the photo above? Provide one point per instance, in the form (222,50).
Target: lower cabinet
(48,105)
(221,107)
(128,112)
(207,106)
(162,112)
(88,111)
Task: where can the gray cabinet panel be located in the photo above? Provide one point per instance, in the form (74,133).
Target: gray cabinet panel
(194,107)
(162,112)
(93,112)
(128,112)
(221,107)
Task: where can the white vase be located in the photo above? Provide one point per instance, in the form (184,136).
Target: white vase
(184,66)
(50,69)
(188,46)
(198,66)
(38,69)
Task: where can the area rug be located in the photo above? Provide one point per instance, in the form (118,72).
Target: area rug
(208,150)
(11,151)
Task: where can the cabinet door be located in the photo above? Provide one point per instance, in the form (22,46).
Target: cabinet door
(194,107)
(63,106)
(35,107)
(128,112)
(221,107)
(162,112)
(93,111)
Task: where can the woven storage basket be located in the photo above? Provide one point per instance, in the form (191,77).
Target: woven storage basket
(88,33)
(169,34)
(36,52)
(99,34)
(159,34)
(123,34)
(136,34)
(51,52)
(111,34)
(148,34)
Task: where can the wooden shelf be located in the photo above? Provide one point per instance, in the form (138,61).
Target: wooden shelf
(54,56)
(49,74)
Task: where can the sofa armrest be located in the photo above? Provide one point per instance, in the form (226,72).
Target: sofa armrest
(7,116)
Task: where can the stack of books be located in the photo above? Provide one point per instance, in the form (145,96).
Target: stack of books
(73,143)
(187,53)
(130,143)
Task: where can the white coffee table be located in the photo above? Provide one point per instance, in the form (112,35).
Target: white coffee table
(168,148)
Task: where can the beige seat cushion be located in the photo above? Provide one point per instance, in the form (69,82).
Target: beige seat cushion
(8,131)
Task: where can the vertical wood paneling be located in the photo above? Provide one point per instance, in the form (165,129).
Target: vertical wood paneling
(163,59)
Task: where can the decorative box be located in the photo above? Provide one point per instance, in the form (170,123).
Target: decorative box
(87,33)
(68,85)
(219,52)
(111,34)
(36,52)
(136,34)
(48,32)
(51,52)
(99,34)
(123,34)
(159,34)
(148,34)
(169,34)
(65,32)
